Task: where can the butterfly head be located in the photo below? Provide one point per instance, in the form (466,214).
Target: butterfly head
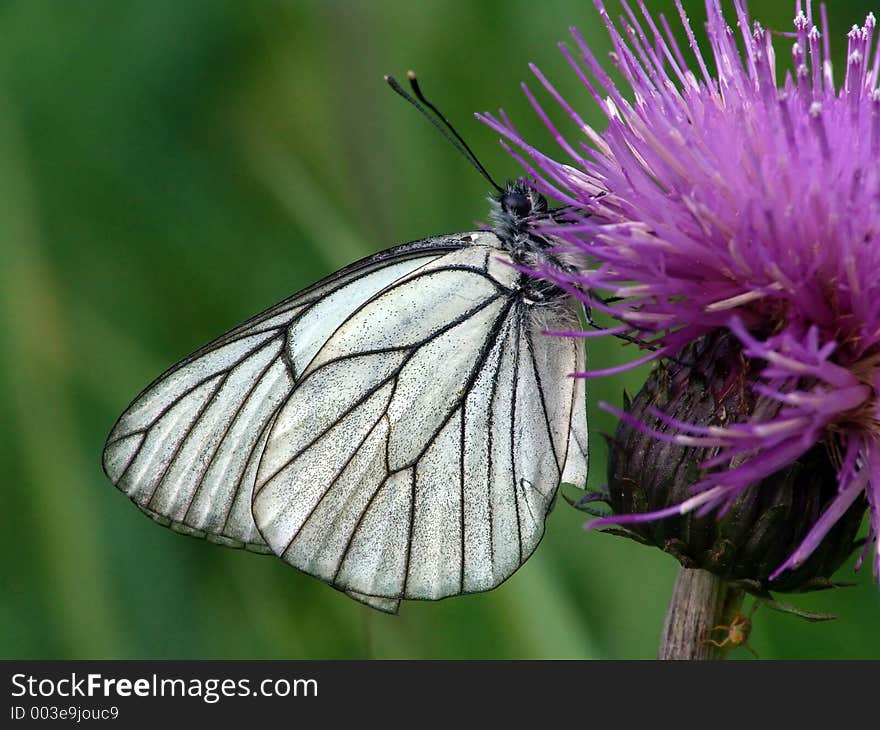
(516,209)
(519,202)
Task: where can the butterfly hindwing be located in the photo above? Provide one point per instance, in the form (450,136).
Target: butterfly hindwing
(421,449)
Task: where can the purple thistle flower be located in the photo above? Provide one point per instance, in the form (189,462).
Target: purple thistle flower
(724,198)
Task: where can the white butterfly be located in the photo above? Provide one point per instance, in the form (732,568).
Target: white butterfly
(398,430)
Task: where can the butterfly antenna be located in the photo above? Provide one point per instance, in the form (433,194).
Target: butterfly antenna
(414,82)
(443,125)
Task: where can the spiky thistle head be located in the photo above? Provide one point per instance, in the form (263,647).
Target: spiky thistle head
(725,199)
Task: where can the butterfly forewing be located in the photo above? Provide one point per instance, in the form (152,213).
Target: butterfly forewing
(186,450)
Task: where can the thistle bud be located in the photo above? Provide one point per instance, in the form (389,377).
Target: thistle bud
(709,384)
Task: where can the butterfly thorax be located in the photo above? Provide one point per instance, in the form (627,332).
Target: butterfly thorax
(515,213)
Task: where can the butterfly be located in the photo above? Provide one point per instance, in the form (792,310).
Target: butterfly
(399,429)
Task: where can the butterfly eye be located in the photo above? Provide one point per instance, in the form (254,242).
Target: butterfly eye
(516,203)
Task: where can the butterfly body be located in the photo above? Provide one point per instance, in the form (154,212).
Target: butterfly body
(398,430)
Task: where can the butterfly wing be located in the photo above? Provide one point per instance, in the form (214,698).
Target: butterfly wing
(187,448)
(385,605)
(421,448)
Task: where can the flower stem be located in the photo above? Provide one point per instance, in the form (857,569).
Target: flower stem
(700,601)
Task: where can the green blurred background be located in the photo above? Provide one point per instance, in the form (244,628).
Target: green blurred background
(166,170)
